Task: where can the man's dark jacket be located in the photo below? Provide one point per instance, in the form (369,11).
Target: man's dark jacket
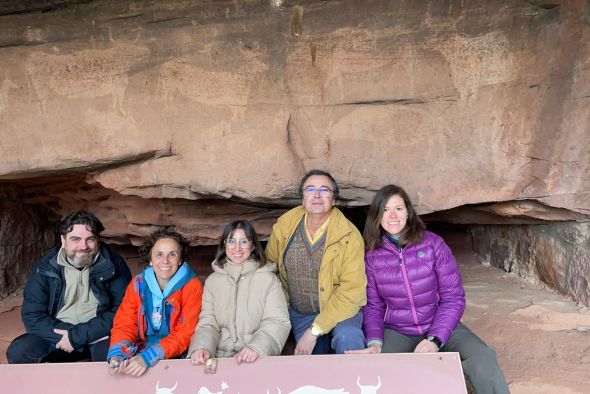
(43,297)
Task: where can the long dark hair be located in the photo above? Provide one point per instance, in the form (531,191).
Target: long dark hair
(145,250)
(257,252)
(373,233)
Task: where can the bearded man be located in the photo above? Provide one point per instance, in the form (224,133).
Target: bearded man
(71,297)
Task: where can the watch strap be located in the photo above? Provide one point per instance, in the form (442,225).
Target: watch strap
(316,332)
(436,340)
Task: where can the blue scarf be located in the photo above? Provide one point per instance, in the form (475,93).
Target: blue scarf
(155,307)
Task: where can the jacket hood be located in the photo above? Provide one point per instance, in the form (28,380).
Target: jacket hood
(181,277)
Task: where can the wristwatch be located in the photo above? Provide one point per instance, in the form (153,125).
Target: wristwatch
(315,331)
(439,344)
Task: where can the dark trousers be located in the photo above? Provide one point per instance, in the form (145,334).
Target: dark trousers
(32,349)
(478,360)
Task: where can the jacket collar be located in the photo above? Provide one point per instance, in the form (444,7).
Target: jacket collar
(388,245)
(249,267)
(338,227)
(103,265)
(178,280)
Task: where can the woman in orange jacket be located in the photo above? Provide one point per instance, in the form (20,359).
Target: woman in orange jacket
(160,309)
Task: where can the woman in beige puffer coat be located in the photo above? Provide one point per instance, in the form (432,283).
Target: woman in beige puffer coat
(244,312)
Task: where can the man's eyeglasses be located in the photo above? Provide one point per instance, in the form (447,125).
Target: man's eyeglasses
(244,242)
(323,190)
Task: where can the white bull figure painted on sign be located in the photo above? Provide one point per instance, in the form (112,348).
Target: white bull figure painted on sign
(320,390)
(165,390)
(369,389)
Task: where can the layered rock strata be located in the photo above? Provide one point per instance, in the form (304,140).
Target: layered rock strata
(460,102)
(194,113)
(556,254)
(26,232)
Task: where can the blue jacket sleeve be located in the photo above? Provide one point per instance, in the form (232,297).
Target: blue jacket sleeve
(36,307)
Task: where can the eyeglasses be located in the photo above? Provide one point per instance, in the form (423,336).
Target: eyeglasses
(244,242)
(323,190)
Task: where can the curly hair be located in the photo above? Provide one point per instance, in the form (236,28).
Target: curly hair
(80,217)
(145,250)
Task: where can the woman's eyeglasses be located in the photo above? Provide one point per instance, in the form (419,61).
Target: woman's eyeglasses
(244,242)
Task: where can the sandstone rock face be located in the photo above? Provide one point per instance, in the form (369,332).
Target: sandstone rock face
(462,103)
(26,232)
(130,219)
(197,113)
(557,254)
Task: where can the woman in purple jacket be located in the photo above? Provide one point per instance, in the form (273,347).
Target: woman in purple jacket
(415,296)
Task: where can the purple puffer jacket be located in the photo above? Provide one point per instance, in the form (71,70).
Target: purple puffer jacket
(416,291)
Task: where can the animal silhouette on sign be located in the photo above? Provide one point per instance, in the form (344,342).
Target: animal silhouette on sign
(165,390)
(205,390)
(369,389)
(319,390)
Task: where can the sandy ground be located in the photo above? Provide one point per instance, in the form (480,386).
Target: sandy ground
(542,338)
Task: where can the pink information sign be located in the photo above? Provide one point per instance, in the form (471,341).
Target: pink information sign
(332,374)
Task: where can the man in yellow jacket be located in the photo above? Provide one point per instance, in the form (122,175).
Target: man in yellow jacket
(320,255)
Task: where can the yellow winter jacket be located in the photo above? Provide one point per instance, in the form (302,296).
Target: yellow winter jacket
(342,281)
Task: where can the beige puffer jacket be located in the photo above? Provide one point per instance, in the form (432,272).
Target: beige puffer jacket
(250,312)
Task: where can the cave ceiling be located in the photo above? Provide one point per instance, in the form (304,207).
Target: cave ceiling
(194,113)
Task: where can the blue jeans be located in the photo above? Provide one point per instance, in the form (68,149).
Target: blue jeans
(31,349)
(347,335)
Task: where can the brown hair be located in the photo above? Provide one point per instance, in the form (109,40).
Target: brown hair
(80,217)
(373,233)
(145,250)
(257,252)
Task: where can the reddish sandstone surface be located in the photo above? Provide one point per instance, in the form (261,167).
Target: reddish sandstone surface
(461,102)
(153,114)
